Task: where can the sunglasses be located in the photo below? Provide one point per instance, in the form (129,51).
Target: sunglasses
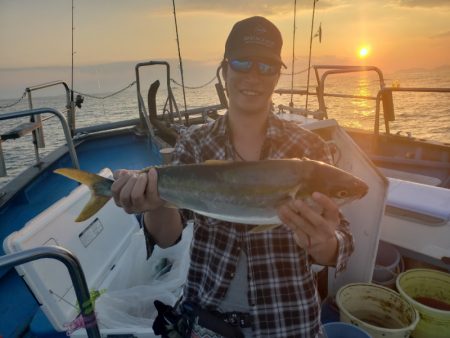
(263,68)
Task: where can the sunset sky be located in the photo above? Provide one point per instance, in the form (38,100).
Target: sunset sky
(35,35)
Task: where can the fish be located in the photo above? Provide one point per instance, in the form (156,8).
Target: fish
(239,192)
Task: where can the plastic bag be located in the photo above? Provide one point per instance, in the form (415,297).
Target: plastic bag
(131,308)
(135,283)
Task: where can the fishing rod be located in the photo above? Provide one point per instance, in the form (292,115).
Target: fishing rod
(179,54)
(291,104)
(309,57)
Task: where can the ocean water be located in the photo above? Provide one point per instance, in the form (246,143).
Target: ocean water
(423,115)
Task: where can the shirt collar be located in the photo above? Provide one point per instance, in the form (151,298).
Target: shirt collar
(274,127)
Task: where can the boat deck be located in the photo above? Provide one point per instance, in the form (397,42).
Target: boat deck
(118,151)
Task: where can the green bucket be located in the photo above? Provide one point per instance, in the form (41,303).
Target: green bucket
(429,292)
(378,310)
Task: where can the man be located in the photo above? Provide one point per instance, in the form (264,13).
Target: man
(262,281)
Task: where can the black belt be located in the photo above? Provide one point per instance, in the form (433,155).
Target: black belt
(227,324)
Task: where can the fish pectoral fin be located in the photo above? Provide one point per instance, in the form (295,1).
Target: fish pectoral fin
(263,227)
(217,161)
(91,207)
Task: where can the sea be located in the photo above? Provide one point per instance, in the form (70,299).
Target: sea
(421,115)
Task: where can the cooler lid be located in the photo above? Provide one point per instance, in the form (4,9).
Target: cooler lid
(97,242)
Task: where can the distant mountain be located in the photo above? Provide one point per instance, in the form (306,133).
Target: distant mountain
(422,69)
(443,68)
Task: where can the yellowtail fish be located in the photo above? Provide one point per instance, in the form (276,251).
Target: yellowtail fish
(240,192)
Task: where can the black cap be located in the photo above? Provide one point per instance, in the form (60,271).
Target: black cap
(254,37)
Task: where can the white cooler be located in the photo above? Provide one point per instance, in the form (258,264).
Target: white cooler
(111,249)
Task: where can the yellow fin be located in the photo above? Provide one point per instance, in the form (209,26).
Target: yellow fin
(264,227)
(91,207)
(79,175)
(170,205)
(99,186)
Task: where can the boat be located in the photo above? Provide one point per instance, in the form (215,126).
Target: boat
(408,205)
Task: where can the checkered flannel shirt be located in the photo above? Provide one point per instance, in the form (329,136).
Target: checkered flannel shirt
(282,291)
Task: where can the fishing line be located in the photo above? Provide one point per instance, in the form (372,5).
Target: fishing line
(62,299)
(291,104)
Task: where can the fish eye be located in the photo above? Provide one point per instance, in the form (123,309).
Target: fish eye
(342,193)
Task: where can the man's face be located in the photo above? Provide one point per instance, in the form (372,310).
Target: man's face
(250,92)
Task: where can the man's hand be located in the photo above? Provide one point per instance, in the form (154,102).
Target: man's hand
(135,191)
(313,231)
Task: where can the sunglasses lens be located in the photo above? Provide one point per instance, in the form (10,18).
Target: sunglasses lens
(267,69)
(242,66)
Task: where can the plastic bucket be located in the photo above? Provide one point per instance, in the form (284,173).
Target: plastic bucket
(378,310)
(387,265)
(429,292)
(344,330)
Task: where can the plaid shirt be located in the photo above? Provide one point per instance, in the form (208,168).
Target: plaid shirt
(282,291)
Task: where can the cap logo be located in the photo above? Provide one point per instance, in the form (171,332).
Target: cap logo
(258,40)
(260,30)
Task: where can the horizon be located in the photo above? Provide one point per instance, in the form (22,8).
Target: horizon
(109,35)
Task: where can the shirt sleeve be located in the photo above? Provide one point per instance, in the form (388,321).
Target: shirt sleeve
(183,153)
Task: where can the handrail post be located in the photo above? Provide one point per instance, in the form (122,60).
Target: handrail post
(76,275)
(37,134)
(2,162)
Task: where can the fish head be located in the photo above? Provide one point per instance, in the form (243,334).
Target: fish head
(341,186)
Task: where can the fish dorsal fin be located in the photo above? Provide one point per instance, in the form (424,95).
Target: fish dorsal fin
(217,161)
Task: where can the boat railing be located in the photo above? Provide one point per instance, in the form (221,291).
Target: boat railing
(70,108)
(32,113)
(384,97)
(170,106)
(320,92)
(338,69)
(76,275)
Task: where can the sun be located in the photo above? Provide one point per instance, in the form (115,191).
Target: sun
(363,52)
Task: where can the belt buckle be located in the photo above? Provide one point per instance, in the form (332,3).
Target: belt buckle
(237,319)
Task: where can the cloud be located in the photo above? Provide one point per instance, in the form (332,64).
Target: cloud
(423,3)
(261,7)
(443,35)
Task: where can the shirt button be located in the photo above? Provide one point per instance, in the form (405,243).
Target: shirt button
(231,274)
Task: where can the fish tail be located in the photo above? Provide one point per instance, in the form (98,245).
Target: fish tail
(99,186)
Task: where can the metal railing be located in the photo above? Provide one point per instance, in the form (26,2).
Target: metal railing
(69,106)
(76,275)
(34,112)
(383,98)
